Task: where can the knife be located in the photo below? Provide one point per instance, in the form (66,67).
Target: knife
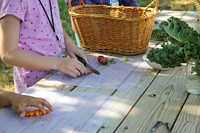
(87,65)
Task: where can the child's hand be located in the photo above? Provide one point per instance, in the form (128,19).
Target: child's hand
(72,48)
(71,67)
(20,102)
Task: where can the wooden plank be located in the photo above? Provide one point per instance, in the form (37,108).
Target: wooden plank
(188,120)
(125,103)
(119,76)
(161,102)
(171,13)
(53,85)
(144,115)
(94,90)
(127,98)
(191,18)
(73,112)
(165,14)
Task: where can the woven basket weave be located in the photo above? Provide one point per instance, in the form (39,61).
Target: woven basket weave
(115,29)
(197,4)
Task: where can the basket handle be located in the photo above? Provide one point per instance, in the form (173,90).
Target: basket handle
(70,3)
(151,4)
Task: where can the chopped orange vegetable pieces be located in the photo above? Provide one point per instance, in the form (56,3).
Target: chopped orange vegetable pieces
(89,71)
(37,113)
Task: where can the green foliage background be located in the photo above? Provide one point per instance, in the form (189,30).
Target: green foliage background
(65,18)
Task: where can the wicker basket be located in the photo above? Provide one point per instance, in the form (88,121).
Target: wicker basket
(197,4)
(116,29)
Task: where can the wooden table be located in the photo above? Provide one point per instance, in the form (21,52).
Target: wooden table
(130,97)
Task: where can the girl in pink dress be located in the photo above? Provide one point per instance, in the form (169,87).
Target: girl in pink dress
(33,41)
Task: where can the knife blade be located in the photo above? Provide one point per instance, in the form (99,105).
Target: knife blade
(87,65)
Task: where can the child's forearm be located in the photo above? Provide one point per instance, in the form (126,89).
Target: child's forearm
(10,54)
(31,61)
(67,39)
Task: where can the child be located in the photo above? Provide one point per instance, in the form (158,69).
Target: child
(32,40)
(20,102)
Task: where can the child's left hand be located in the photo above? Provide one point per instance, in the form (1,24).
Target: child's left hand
(72,48)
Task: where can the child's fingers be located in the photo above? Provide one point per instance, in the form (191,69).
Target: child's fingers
(42,104)
(47,104)
(21,110)
(22,114)
(82,55)
(41,107)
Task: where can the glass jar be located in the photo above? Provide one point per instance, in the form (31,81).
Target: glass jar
(193,76)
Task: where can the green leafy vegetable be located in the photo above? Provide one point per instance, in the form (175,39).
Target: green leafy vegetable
(111,61)
(191,50)
(184,44)
(169,55)
(125,59)
(180,31)
(159,35)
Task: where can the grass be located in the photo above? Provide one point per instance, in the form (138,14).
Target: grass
(6,71)
(6,76)
(65,18)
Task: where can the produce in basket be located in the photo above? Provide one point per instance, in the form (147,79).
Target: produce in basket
(197,4)
(183,44)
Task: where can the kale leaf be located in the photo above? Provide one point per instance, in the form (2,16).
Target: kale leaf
(191,50)
(159,35)
(180,31)
(169,55)
(184,44)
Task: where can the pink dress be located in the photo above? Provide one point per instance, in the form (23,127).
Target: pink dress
(36,35)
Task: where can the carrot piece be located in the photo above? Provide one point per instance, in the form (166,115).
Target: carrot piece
(89,71)
(37,112)
(31,113)
(27,114)
(47,111)
(41,113)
